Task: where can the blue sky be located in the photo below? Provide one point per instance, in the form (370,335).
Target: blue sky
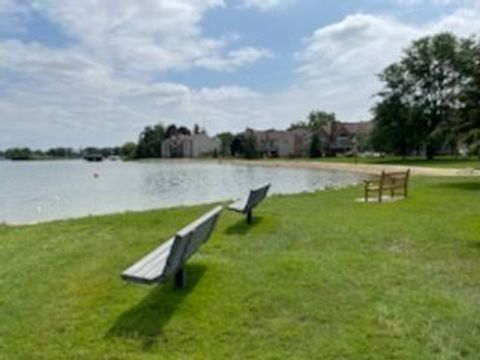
(81,72)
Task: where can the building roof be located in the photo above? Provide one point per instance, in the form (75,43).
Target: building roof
(358,128)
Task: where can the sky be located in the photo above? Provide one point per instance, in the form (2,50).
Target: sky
(85,72)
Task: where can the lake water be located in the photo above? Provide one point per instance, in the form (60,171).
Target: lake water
(35,191)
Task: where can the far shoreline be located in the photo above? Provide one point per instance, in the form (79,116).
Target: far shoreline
(367,169)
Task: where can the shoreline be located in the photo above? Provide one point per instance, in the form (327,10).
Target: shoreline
(223,202)
(369,169)
(366,169)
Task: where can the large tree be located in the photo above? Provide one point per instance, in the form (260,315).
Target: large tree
(469,98)
(425,85)
(315,146)
(320,119)
(226,139)
(325,122)
(150,142)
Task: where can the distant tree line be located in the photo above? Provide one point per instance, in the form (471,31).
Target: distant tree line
(25,153)
(149,145)
(430,98)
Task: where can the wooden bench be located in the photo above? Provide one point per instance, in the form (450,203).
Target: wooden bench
(388,181)
(168,260)
(246,206)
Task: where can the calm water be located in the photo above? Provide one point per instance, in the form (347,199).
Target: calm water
(49,190)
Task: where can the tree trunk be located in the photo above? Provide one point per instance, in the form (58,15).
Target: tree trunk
(430,151)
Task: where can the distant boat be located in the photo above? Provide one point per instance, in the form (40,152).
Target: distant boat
(93,157)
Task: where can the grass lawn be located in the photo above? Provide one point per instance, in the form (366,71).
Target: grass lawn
(317,276)
(439,161)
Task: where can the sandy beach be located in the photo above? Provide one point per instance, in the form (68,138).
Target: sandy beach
(371,169)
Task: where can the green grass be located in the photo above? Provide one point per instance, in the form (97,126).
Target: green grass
(318,276)
(439,161)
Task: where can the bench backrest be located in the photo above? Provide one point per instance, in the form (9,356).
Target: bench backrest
(398,178)
(256,196)
(189,239)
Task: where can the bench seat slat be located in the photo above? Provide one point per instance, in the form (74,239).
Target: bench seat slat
(148,275)
(254,198)
(169,258)
(154,260)
(239,205)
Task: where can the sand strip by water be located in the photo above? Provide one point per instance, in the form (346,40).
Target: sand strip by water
(359,168)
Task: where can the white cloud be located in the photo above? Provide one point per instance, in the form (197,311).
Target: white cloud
(412,3)
(266,4)
(146,36)
(234,59)
(344,58)
(103,87)
(107,84)
(67,97)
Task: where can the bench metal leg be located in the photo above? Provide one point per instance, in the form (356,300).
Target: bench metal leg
(181,278)
(249,217)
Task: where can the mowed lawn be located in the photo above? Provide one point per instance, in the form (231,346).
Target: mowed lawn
(318,276)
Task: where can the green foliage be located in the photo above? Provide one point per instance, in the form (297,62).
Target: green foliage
(394,128)
(421,93)
(325,122)
(298,125)
(320,119)
(315,146)
(19,154)
(250,147)
(150,141)
(226,139)
(128,150)
(237,147)
(61,152)
(320,122)
(317,276)
(469,114)
(245,145)
(104,151)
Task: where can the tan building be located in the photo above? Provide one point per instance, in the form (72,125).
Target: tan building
(190,146)
(282,143)
(341,137)
(348,135)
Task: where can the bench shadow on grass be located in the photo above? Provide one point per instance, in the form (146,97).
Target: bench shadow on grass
(469,186)
(145,321)
(241,227)
(474,245)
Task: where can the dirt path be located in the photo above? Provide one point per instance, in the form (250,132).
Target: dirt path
(361,168)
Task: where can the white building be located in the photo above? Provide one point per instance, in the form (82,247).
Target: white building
(190,146)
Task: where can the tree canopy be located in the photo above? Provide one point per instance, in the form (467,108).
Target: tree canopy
(421,99)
